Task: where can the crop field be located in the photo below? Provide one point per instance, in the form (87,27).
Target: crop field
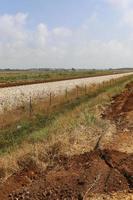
(14,77)
(69,139)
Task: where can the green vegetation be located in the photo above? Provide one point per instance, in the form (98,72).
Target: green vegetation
(42,125)
(8,78)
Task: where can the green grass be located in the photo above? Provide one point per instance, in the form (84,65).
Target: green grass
(30,76)
(42,125)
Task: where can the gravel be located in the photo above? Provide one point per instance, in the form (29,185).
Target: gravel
(14,96)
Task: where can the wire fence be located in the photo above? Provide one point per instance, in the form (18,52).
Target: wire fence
(52,100)
(46,103)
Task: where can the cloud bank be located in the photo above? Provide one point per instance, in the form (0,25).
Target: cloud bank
(21,47)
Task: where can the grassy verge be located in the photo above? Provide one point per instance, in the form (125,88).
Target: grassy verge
(38,127)
(71,128)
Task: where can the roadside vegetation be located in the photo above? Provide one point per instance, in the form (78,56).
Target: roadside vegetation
(12,77)
(71,126)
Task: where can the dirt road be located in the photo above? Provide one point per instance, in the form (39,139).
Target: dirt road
(104,173)
(14,96)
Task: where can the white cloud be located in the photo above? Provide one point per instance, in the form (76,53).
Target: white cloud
(128,17)
(42,35)
(125,7)
(58,47)
(11,27)
(62,32)
(120,3)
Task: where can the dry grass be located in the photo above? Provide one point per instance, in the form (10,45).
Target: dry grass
(28,111)
(72,132)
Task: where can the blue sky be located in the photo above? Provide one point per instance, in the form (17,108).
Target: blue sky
(66,33)
(53,12)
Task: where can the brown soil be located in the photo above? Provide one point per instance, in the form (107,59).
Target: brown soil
(73,177)
(76,177)
(121,109)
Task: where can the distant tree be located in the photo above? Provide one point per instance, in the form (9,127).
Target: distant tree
(73,69)
(7,69)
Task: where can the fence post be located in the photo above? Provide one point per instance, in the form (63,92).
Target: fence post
(50,99)
(30,106)
(77,91)
(85,90)
(66,94)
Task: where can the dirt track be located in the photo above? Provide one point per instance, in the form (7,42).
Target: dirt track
(14,96)
(92,175)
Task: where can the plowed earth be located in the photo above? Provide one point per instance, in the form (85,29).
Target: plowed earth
(102,171)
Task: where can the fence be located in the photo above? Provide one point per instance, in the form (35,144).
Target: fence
(52,100)
(45,104)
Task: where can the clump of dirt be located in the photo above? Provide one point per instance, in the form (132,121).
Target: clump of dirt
(74,177)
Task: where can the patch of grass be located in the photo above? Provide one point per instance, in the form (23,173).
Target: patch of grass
(8,78)
(72,128)
(42,125)
(86,104)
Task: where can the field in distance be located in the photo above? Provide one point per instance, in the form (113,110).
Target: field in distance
(22,77)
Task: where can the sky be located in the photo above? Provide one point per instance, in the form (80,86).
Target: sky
(66,33)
